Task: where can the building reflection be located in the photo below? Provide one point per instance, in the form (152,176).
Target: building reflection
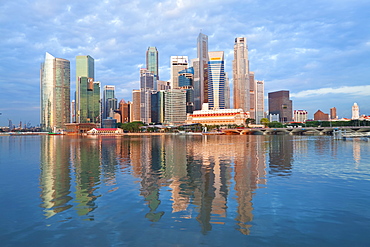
(55,180)
(280,155)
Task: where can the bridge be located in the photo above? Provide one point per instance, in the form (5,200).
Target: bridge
(296,131)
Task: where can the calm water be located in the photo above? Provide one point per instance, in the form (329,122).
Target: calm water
(184,191)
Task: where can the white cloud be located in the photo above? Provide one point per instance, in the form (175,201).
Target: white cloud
(350,90)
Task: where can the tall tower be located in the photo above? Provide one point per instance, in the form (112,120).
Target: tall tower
(241,75)
(55,92)
(216,80)
(178,63)
(152,61)
(85,87)
(260,101)
(355,111)
(227,91)
(147,82)
(109,101)
(202,51)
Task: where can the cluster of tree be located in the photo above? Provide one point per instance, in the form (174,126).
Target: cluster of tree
(131,127)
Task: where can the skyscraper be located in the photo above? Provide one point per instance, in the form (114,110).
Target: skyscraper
(216,80)
(175,106)
(55,92)
(279,103)
(135,113)
(227,91)
(178,63)
(152,61)
(202,51)
(147,81)
(109,101)
(260,101)
(88,100)
(86,91)
(355,111)
(333,113)
(241,75)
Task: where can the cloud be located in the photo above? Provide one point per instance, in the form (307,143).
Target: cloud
(350,90)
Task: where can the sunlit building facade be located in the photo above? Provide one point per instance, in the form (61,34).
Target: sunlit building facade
(260,101)
(201,76)
(152,61)
(355,111)
(55,93)
(88,100)
(109,102)
(218,117)
(175,106)
(216,80)
(300,116)
(178,63)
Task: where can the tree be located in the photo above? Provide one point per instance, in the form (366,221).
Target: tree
(249,121)
(265,121)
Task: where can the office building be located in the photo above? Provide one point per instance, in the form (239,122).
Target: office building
(135,113)
(279,103)
(88,100)
(241,75)
(320,116)
(252,95)
(152,61)
(260,101)
(55,93)
(300,116)
(186,77)
(178,63)
(202,70)
(157,106)
(85,75)
(175,106)
(147,81)
(194,63)
(355,111)
(227,91)
(333,113)
(109,102)
(216,80)
(124,110)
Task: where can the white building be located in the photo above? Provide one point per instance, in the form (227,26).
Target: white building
(300,116)
(175,106)
(355,111)
(178,63)
(216,80)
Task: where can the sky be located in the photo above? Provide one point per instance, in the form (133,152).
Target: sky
(318,50)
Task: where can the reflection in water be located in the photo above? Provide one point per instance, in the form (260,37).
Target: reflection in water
(281,155)
(205,175)
(55,181)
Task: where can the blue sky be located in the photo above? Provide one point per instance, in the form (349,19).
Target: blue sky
(318,50)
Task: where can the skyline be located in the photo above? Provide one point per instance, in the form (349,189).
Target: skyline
(318,51)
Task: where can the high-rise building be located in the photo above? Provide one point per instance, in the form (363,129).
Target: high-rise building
(260,101)
(227,91)
(55,93)
(355,111)
(152,61)
(216,80)
(135,113)
(147,81)
(186,77)
(252,95)
(157,104)
(279,103)
(178,63)
(124,110)
(109,102)
(333,113)
(300,116)
(88,100)
(84,76)
(175,106)
(202,52)
(194,63)
(241,75)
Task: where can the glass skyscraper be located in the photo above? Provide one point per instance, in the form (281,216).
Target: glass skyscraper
(202,52)
(109,101)
(55,93)
(152,61)
(216,80)
(87,91)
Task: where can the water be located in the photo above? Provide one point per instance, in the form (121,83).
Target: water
(184,191)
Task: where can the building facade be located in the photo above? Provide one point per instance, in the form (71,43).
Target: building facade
(333,113)
(279,103)
(201,76)
(178,63)
(135,113)
(300,116)
(260,101)
(216,80)
(55,93)
(88,101)
(152,61)
(175,106)
(241,75)
(218,117)
(109,102)
(147,81)
(320,116)
(124,110)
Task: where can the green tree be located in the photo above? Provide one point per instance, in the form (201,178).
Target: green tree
(265,121)
(249,121)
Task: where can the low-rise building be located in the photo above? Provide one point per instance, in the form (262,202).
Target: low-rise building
(218,117)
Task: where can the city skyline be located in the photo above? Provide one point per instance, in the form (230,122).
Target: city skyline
(289,48)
